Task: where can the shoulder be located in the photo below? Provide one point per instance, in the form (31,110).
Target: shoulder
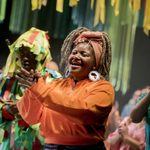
(104,88)
(103,85)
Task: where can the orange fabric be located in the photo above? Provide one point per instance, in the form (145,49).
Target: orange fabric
(68,113)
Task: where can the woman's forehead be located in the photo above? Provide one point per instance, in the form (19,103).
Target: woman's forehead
(83,45)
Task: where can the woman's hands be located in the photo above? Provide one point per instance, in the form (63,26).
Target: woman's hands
(123,127)
(11,108)
(26,78)
(123,130)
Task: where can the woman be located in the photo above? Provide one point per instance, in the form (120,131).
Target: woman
(73,111)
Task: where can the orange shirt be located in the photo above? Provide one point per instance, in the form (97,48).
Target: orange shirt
(68,113)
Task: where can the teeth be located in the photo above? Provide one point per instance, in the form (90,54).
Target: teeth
(76,64)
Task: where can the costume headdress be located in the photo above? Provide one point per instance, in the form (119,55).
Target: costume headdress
(37,41)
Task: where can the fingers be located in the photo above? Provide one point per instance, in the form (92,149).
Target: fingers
(25,74)
(12,109)
(37,74)
(123,129)
(24,85)
(23,81)
(25,78)
(21,78)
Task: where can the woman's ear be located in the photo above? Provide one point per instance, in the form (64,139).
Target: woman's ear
(94,68)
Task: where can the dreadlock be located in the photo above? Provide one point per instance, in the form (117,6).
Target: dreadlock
(67,47)
(106,56)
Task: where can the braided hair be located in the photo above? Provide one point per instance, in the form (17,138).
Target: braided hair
(105,63)
(67,47)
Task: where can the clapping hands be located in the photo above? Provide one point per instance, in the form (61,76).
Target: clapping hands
(27,78)
(123,127)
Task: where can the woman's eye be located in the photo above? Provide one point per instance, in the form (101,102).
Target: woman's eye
(74,52)
(84,54)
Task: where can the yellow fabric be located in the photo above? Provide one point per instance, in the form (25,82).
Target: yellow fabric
(102,11)
(2,131)
(3,9)
(44,2)
(135,4)
(34,4)
(146,24)
(37,4)
(39,46)
(122,53)
(92,4)
(10,63)
(99,12)
(115,3)
(59,5)
(73,2)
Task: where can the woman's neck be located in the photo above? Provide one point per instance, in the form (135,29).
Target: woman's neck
(77,79)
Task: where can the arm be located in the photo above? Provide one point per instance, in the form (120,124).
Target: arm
(128,139)
(134,144)
(30,108)
(140,109)
(114,138)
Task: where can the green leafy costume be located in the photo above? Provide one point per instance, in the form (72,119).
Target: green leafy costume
(14,132)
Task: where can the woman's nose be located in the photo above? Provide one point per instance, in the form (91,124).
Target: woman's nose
(77,56)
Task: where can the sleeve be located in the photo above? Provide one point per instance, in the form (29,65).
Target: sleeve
(96,105)
(41,87)
(30,108)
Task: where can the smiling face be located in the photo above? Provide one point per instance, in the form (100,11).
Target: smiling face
(81,61)
(27,59)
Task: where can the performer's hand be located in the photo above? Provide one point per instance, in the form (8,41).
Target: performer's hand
(123,130)
(26,78)
(11,108)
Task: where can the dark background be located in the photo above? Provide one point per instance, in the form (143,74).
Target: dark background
(140,72)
